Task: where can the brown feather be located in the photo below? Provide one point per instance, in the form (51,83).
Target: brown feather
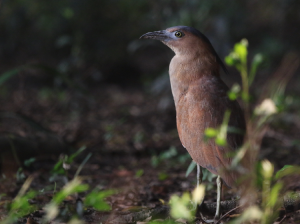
(201,99)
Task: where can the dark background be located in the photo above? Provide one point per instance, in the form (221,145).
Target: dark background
(97,41)
(75,73)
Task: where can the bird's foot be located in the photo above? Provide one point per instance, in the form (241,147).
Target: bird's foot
(208,220)
(215,220)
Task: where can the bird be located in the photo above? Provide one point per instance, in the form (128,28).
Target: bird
(201,101)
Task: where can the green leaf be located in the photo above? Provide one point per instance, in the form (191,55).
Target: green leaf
(74,155)
(287,170)
(154,161)
(222,134)
(245,97)
(234,91)
(274,195)
(58,168)
(257,60)
(207,175)
(168,154)
(221,141)
(191,167)
(139,173)
(72,187)
(251,213)
(179,207)
(7,75)
(184,157)
(162,176)
(28,162)
(68,13)
(20,205)
(211,132)
(232,95)
(96,199)
(232,59)
(241,50)
(229,60)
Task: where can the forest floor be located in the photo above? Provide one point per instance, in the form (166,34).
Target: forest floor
(133,142)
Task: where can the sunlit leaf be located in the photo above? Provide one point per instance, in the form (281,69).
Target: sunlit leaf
(51,211)
(198,194)
(232,96)
(241,50)
(267,169)
(250,214)
(72,187)
(274,194)
(230,60)
(221,141)
(211,132)
(179,207)
(76,221)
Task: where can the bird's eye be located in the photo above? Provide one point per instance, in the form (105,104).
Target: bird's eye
(178,34)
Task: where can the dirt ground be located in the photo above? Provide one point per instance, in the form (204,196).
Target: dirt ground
(133,140)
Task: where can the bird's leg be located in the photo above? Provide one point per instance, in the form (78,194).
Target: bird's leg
(219,189)
(199,175)
(199,181)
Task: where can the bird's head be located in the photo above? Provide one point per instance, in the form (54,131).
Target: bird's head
(186,41)
(181,39)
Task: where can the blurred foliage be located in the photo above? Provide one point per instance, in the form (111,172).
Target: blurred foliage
(65,161)
(98,36)
(266,109)
(21,206)
(89,40)
(169,157)
(96,200)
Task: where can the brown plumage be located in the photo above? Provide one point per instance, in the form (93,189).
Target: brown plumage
(201,98)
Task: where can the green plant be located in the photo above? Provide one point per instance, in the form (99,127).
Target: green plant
(20,205)
(257,120)
(96,200)
(238,59)
(166,155)
(181,206)
(72,187)
(139,173)
(61,167)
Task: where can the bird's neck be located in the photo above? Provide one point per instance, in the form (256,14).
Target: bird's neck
(188,70)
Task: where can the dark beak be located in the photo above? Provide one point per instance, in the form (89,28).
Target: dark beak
(161,35)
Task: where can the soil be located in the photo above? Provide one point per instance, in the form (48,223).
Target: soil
(133,146)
